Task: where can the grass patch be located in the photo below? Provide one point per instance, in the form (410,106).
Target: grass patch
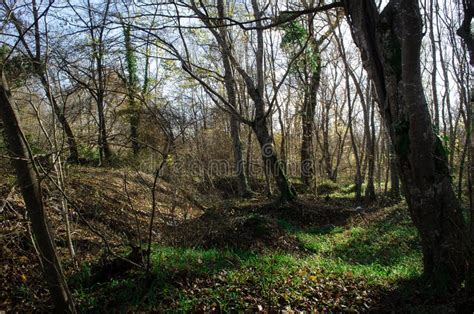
(382,252)
(342,271)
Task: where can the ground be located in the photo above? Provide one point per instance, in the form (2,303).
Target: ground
(326,254)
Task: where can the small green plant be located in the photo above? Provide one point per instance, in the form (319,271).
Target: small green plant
(89,153)
(327,187)
(349,188)
(81,277)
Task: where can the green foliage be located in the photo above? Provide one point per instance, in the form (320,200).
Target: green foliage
(442,152)
(294,38)
(327,187)
(442,145)
(4,50)
(89,153)
(294,34)
(169,261)
(17,69)
(349,188)
(382,253)
(130,59)
(365,256)
(81,277)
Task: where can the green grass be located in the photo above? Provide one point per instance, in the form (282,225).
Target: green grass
(349,259)
(382,253)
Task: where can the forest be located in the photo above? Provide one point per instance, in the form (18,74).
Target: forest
(236,156)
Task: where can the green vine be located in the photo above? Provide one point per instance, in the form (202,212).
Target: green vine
(294,38)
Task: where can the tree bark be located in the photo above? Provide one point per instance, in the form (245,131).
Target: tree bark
(370,134)
(465,32)
(390,45)
(394,175)
(309,105)
(132,87)
(244,188)
(98,52)
(271,162)
(269,154)
(229,83)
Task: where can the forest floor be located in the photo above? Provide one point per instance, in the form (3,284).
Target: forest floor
(254,255)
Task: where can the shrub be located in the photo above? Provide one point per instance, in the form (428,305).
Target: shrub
(327,187)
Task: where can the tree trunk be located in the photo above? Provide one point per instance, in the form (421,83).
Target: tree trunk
(309,105)
(104,150)
(325,149)
(358,177)
(132,87)
(470,278)
(390,44)
(307,119)
(466,33)
(394,175)
(256,91)
(32,195)
(229,82)
(370,134)
(271,161)
(434,88)
(101,82)
(244,188)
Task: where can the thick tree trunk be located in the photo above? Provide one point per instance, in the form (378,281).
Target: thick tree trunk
(244,188)
(307,119)
(309,105)
(271,161)
(229,83)
(466,33)
(470,114)
(390,45)
(264,137)
(394,174)
(32,195)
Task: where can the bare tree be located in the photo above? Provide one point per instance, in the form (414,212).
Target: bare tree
(95,24)
(390,45)
(35,54)
(256,91)
(31,191)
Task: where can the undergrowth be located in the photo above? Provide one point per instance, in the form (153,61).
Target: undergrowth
(338,268)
